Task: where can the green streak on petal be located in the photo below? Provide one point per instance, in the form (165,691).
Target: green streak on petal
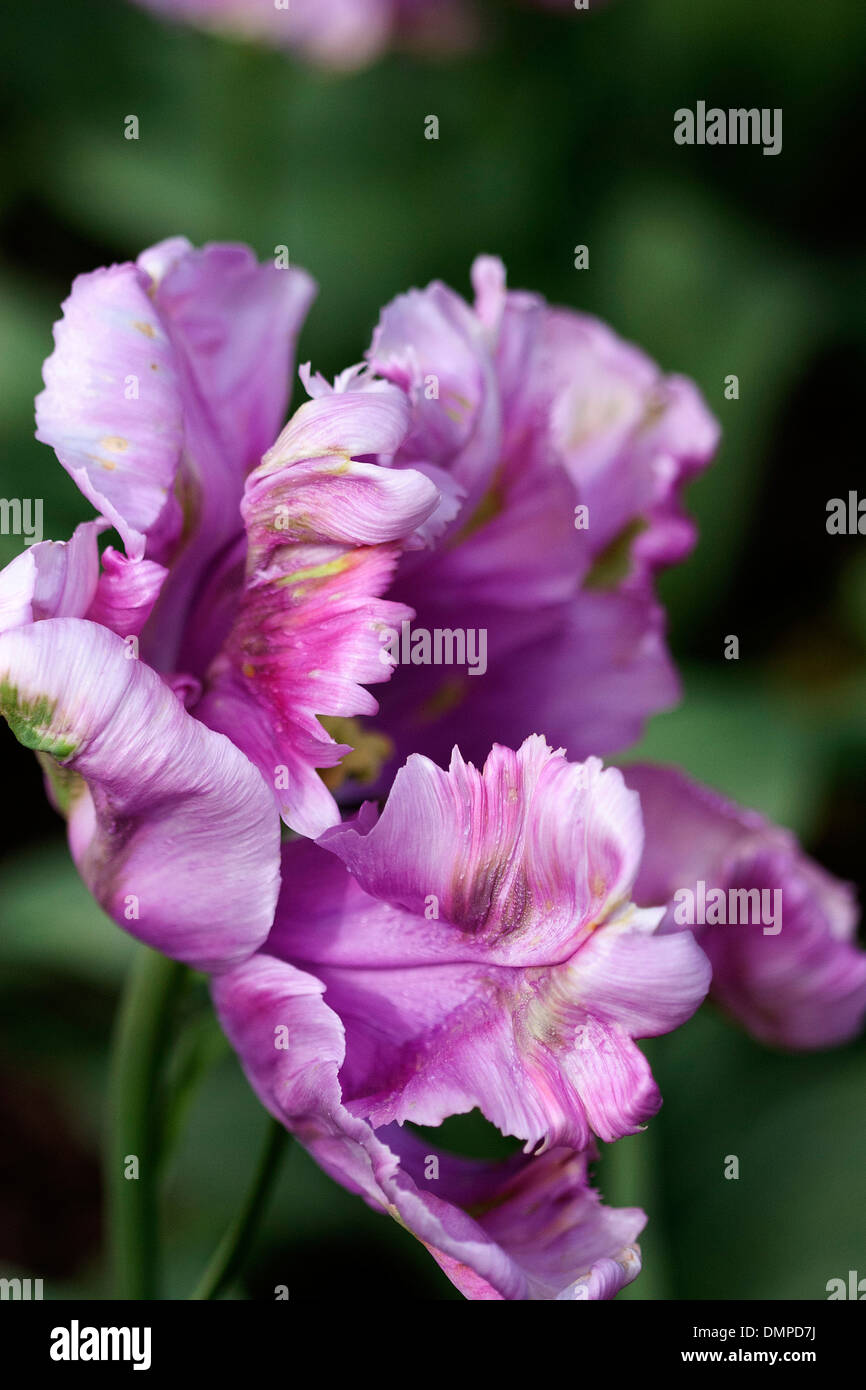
(491,506)
(30,722)
(317,571)
(66,785)
(613,564)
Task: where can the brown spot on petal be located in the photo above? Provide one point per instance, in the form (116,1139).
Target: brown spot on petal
(146,328)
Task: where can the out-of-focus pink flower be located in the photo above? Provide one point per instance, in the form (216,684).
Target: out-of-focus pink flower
(481,952)
(346,34)
(780,931)
(333,33)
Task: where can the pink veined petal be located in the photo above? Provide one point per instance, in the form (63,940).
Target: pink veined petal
(523,857)
(324,534)
(172,829)
(483,952)
(338,426)
(473,1038)
(111,408)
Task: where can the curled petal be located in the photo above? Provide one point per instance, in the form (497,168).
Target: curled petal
(171,827)
(126,593)
(430,344)
(52,579)
(341,425)
(673,971)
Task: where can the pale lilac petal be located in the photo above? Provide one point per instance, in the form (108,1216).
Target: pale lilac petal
(111,408)
(701,829)
(17,588)
(673,971)
(339,34)
(52,579)
(172,829)
(488,281)
(530,1049)
(236,322)
(794,980)
(342,34)
(628,436)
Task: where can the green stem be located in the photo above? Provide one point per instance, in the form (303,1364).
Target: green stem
(140,1044)
(235,1244)
(630,1178)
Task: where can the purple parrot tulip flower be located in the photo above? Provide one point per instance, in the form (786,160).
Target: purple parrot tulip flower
(493,940)
(779,930)
(481,952)
(171,690)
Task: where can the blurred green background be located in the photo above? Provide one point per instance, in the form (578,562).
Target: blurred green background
(558,131)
